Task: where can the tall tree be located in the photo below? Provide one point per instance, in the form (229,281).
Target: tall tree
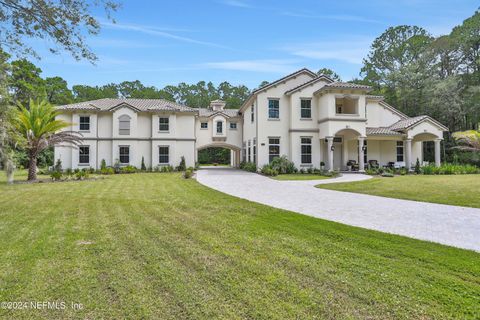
(25,82)
(63,23)
(57,91)
(329,73)
(38,129)
(6,129)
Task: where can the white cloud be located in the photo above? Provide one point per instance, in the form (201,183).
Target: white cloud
(339,17)
(236,3)
(272,65)
(351,51)
(159,33)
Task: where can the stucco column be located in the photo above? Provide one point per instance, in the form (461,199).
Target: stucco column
(408,153)
(361,162)
(330,153)
(437,152)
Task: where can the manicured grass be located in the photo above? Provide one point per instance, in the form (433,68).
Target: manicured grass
(459,190)
(158,246)
(300,176)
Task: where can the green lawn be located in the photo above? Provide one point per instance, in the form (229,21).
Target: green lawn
(300,176)
(460,190)
(160,247)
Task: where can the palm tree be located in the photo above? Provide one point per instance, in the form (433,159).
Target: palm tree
(39,130)
(468,140)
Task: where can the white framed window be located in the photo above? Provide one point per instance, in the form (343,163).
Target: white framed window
(204,125)
(84,123)
(365,149)
(244,151)
(164,124)
(83,154)
(252,114)
(273,109)
(219,127)
(124,125)
(306,150)
(124,154)
(163,154)
(254,150)
(249,151)
(306,108)
(233,125)
(400,151)
(273,148)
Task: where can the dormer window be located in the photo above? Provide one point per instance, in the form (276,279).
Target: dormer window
(219,127)
(124,125)
(84,123)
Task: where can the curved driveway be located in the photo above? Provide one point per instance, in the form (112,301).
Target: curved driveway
(450,225)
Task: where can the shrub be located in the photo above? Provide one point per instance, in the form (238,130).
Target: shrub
(417,167)
(302,171)
(309,170)
(268,170)
(250,167)
(188,174)
(182,166)
(371,171)
(56,175)
(68,171)
(58,166)
(142,166)
(191,169)
(282,165)
(116,166)
(128,169)
(448,168)
(103,164)
(82,174)
(106,170)
(331,174)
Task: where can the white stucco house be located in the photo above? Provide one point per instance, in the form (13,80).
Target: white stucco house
(306,117)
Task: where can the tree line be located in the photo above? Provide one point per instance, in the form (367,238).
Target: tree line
(421,74)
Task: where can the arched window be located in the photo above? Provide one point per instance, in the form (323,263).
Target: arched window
(124,125)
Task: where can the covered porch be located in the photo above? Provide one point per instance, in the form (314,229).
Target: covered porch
(348,150)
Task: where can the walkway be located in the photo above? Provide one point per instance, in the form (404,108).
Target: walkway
(450,225)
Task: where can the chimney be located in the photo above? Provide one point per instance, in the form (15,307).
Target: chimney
(217,105)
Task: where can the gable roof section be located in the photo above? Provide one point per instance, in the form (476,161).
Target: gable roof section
(229,113)
(382,131)
(411,122)
(344,85)
(110,104)
(308,83)
(392,109)
(277,82)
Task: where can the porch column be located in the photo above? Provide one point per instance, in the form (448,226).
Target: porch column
(232,158)
(437,152)
(361,162)
(330,153)
(408,154)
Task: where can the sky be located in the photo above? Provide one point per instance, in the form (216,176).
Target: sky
(242,41)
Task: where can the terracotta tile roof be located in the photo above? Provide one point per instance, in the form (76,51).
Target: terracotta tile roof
(382,131)
(139,104)
(347,85)
(303,85)
(207,112)
(406,123)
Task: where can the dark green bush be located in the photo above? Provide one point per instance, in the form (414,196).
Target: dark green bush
(182,166)
(188,174)
(142,166)
(103,164)
(128,169)
(282,165)
(56,175)
(107,170)
(268,170)
(250,167)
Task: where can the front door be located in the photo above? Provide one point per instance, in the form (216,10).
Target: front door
(337,153)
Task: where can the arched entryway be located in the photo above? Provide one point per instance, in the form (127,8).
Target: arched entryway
(344,150)
(218,154)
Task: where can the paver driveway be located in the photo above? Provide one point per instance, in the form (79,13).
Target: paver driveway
(450,225)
